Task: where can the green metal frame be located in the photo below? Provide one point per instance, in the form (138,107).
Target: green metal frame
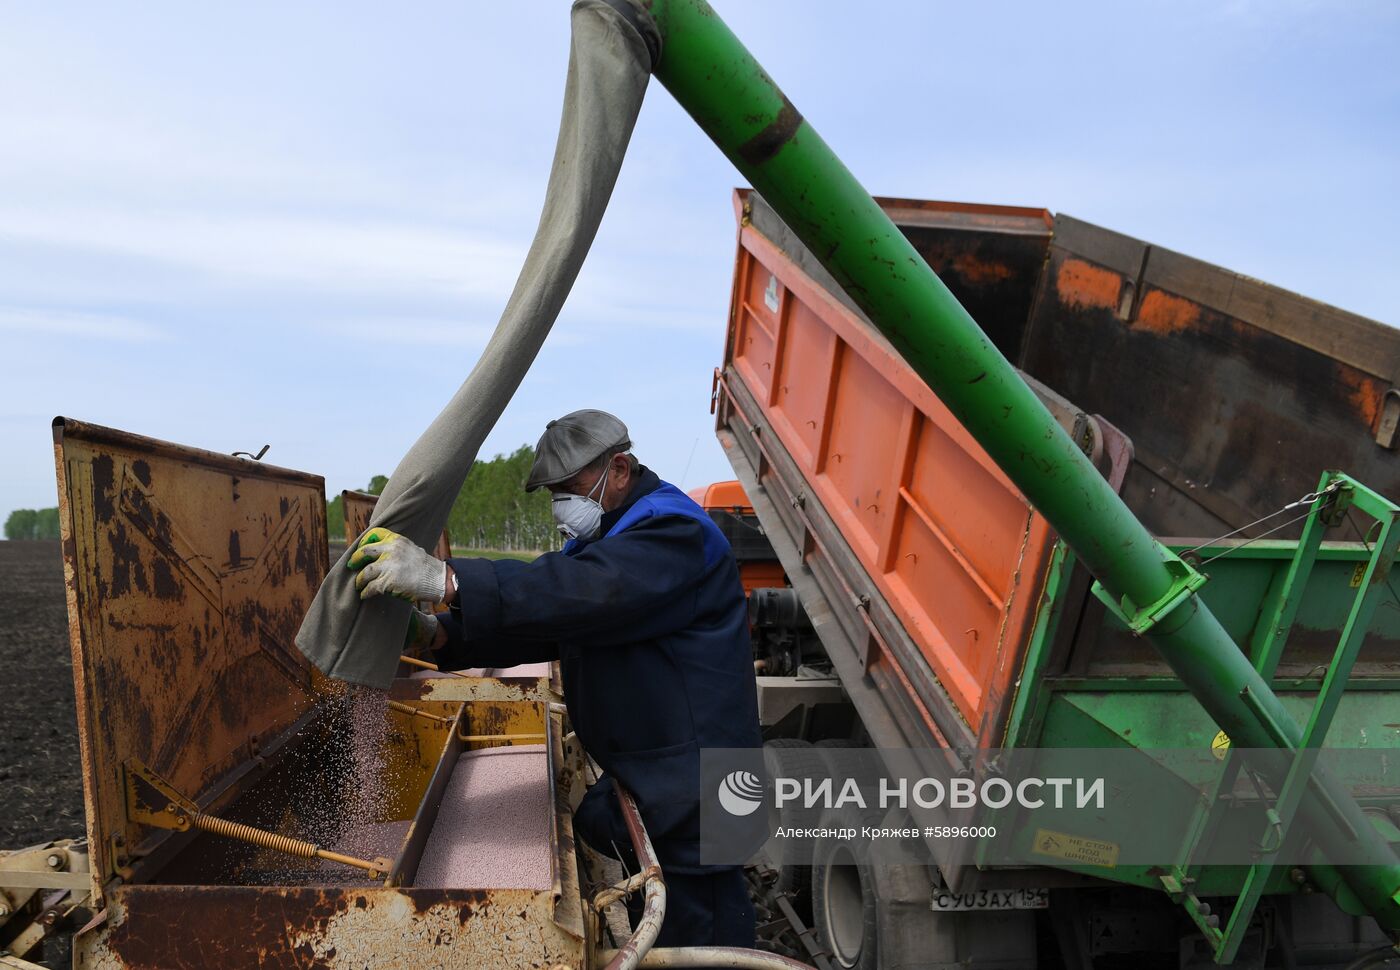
(1141,619)
(1029,703)
(1039,692)
(1335,494)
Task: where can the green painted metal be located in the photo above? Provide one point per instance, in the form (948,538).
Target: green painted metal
(1271,585)
(1286,596)
(1335,492)
(1170,685)
(1029,702)
(738,105)
(1171,719)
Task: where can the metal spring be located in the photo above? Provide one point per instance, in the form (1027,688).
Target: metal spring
(268,840)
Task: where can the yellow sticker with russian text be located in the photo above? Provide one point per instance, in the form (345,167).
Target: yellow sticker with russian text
(1075,848)
(1220,745)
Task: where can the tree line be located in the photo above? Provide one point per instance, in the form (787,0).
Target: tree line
(32,524)
(491,512)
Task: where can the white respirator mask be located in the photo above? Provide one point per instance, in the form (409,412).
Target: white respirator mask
(579,516)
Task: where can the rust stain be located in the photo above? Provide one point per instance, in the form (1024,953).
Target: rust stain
(1087,287)
(274,928)
(308,928)
(1164,314)
(103,498)
(1365,393)
(467,903)
(981,272)
(172,651)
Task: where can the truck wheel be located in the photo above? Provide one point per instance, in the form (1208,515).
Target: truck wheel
(795,877)
(878,915)
(843,905)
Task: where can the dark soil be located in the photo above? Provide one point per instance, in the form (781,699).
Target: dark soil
(41,786)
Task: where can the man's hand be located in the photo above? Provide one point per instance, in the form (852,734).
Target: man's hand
(422,633)
(389,563)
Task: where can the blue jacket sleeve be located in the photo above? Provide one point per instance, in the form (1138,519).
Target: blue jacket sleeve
(637,585)
(489,651)
(481,649)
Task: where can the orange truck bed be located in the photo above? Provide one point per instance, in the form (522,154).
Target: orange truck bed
(922,564)
(935,558)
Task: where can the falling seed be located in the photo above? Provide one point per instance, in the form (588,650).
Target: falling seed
(339,795)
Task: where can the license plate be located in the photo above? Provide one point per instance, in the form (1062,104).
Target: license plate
(946,902)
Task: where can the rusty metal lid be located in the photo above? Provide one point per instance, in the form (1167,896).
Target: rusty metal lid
(187,574)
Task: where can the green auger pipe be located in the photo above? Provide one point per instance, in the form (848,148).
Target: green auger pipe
(738,105)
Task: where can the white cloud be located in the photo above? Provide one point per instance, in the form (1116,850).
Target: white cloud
(68,323)
(343,255)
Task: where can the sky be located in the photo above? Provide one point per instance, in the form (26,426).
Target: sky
(230,225)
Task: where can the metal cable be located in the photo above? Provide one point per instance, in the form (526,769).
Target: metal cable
(1307,499)
(1247,542)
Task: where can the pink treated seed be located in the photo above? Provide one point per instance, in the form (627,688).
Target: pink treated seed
(492,830)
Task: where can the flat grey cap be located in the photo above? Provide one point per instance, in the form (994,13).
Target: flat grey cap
(570,443)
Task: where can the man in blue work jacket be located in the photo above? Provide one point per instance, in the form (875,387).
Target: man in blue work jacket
(644,611)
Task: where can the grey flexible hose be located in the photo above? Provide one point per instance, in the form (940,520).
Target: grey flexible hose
(609,65)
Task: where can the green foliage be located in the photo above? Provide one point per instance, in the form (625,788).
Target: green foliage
(32,524)
(522,555)
(492,513)
(335,508)
(335,518)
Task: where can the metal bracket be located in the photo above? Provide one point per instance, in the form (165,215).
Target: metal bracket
(151,800)
(1389,425)
(1334,513)
(1140,619)
(49,865)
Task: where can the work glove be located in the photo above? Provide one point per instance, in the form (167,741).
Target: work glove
(422,631)
(389,563)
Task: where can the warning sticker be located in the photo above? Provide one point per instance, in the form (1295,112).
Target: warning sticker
(1075,848)
(1220,745)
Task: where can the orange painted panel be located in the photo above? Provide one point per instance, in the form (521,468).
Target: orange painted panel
(952,620)
(983,517)
(859,467)
(753,352)
(760,574)
(948,540)
(808,346)
(722,495)
(763,295)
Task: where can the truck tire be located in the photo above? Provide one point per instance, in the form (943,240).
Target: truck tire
(795,876)
(872,916)
(844,905)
